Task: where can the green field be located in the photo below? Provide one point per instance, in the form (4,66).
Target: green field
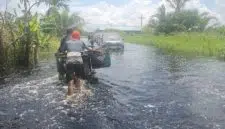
(204,44)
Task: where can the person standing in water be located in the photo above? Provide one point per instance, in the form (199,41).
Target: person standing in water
(65,38)
(74,67)
(91,39)
(60,66)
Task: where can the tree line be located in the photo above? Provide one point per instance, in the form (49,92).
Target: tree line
(24,36)
(181,19)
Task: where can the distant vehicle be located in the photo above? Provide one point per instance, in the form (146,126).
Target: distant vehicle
(113,41)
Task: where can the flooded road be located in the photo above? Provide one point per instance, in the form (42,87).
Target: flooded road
(143,89)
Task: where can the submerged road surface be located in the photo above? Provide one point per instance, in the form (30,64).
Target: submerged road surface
(143,89)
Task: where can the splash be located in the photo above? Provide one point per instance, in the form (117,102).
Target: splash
(80,96)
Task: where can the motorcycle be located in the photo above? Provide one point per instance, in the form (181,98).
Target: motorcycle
(90,61)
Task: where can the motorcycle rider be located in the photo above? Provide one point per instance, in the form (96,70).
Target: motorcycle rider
(65,38)
(91,39)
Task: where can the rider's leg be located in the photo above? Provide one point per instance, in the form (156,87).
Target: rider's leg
(77,83)
(78,75)
(70,88)
(69,78)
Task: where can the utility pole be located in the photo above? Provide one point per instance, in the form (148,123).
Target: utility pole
(141,20)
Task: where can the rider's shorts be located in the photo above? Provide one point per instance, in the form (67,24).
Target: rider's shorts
(74,68)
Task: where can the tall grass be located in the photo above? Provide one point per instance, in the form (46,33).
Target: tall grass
(207,44)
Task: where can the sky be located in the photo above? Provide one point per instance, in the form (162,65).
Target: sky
(125,14)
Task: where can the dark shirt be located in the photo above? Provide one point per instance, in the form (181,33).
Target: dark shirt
(63,43)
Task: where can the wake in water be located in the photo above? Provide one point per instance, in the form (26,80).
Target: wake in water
(35,88)
(80,96)
(40,101)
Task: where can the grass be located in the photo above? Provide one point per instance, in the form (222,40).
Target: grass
(204,44)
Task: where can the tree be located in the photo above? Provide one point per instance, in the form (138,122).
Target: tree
(21,37)
(27,26)
(53,14)
(188,18)
(55,5)
(158,18)
(185,20)
(177,4)
(68,20)
(2,55)
(205,20)
(52,25)
(161,13)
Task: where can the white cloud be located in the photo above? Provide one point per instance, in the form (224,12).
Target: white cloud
(218,13)
(129,14)
(103,14)
(220,4)
(124,15)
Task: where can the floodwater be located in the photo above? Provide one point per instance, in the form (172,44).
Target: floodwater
(143,89)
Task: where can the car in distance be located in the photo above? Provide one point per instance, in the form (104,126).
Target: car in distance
(113,41)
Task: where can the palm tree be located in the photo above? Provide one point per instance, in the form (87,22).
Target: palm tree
(55,5)
(58,25)
(68,20)
(54,14)
(177,4)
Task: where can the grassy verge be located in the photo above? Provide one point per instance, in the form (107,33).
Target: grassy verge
(206,44)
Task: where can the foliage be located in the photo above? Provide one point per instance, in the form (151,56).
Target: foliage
(177,5)
(55,5)
(180,21)
(185,31)
(147,29)
(195,43)
(58,23)
(23,37)
(58,18)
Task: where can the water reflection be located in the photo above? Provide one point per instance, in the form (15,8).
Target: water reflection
(143,89)
(160,88)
